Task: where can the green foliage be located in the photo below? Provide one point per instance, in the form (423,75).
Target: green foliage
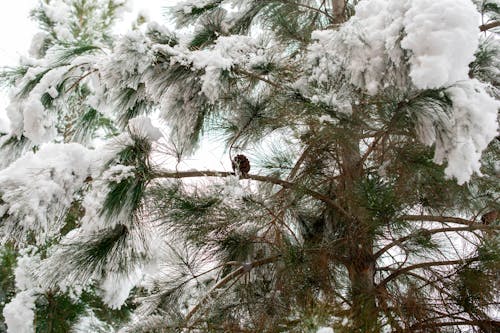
(57,313)
(292,23)
(88,123)
(379,198)
(92,256)
(486,61)
(196,12)
(139,107)
(211,28)
(10,75)
(7,283)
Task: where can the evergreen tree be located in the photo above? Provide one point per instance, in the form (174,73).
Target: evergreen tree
(367,201)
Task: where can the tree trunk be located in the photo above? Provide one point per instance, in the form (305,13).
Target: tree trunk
(359,259)
(364,312)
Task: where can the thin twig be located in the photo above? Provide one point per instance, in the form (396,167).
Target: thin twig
(430,232)
(426,265)
(258,77)
(240,270)
(318,10)
(80,80)
(442,219)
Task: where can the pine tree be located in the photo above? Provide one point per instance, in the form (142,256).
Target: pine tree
(364,141)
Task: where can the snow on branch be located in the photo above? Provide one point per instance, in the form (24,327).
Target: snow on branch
(38,188)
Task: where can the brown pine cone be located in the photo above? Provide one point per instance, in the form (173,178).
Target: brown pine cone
(490,217)
(241,163)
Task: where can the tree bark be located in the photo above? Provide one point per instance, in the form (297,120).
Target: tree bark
(364,310)
(360,260)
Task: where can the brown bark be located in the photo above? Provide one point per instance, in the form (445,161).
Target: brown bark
(338,11)
(488,26)
(364,310)
(360,261)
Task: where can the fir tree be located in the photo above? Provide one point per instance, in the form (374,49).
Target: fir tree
(364,141)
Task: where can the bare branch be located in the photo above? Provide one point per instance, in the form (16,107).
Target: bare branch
(433,231)
(77,82)
(314,9)
(426,265)
(442,219)
(481,323)
(257,77)
(489,26)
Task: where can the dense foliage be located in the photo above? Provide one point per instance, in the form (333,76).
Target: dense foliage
(370,202)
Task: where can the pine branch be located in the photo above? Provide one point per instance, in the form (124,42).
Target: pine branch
(314,9)
(257,77)
(488,26)
(245,268)
(75,84)
(299,162)
(431,232)
(426,327)
(373,146)
(266,179)
(442,219)
(425,265)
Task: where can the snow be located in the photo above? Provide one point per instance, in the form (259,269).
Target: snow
(475,125)
(439,37)
(39,125)
(325,330)
(226,53)
(57,10)
(142,127)
(91,323)
(442,37)
(19,314)
(366,48)
(27,115)
(116,287)
(52,91)
(37,43)
(38,187)
(26,263)
(187,6)
(462,133)
(93,202)
(132,56)
(413,45)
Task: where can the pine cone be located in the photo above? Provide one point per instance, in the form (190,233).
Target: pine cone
(242,164)
(490,217)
